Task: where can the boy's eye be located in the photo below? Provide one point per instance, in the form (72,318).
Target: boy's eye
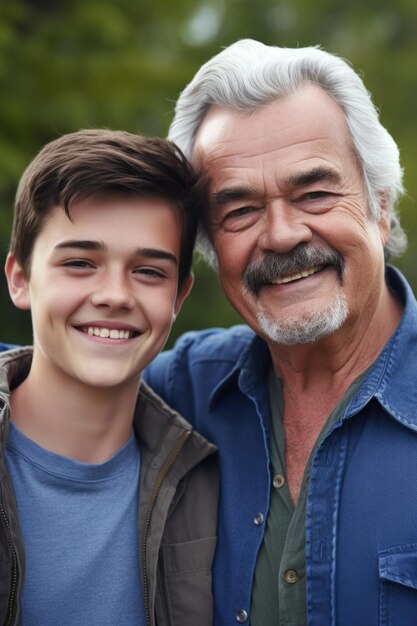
(150,271)
(79,263)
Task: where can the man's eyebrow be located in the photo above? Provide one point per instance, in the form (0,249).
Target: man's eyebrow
(149,253)
(315,175)
(224,196)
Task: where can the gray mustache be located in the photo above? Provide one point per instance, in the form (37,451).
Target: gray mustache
(300,258)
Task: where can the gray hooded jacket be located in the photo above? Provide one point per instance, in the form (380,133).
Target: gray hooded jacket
(177,511)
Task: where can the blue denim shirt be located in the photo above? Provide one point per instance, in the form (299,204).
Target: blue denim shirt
(7,346)
(361,519)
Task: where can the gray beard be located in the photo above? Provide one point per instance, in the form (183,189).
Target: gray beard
(305,328)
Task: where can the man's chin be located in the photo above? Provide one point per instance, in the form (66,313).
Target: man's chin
(306,328)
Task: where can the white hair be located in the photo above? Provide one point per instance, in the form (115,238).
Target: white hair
(248,75)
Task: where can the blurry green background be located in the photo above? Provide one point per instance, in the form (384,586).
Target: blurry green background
(120,64)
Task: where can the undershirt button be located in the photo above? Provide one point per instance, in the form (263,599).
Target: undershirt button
(279,481)
(291,576)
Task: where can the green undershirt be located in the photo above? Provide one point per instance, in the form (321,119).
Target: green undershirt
(279,586)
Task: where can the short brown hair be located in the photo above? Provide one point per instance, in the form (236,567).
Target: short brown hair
(81,164)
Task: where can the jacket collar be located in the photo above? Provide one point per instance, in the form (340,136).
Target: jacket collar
(158,427)
(14,367)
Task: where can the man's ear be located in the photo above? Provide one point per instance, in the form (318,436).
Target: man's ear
(17,282)
(183,293)
(384,222)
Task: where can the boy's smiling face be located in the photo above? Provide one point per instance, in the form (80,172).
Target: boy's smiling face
(103,288)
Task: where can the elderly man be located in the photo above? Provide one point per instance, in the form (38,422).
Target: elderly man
(313,404)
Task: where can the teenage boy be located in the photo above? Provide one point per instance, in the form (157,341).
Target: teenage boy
(108,498)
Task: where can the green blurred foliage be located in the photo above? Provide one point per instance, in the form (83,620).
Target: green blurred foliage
(121,64)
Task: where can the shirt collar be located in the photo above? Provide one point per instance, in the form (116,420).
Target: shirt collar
(249,371)
(391,379)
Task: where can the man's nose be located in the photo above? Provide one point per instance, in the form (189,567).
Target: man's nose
(284,228)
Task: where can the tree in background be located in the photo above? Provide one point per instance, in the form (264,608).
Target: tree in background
(100,63)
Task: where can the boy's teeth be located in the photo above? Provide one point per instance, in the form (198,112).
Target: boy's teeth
(112,333)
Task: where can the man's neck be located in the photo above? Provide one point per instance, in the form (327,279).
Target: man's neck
(316,376)
(333,362)
(71,419)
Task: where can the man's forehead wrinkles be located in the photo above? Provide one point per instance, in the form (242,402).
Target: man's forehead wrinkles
(266,156)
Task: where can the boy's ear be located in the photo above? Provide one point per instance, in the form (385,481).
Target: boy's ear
(17,282)
(183,293)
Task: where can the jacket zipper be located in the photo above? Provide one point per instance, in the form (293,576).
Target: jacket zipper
(9,615)
(165,467)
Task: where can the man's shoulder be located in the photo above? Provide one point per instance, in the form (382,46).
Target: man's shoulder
(198,358)
(6,346)
(213,343)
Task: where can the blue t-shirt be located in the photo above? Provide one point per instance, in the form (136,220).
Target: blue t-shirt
(80,529)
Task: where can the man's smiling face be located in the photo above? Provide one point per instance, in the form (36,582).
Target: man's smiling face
(297,251)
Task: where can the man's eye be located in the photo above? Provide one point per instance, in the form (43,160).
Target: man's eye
(240,212)
(315,195)
(238,219)
(316,201)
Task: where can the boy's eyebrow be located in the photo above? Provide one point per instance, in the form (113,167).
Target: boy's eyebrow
(156,253)
(80,244)
(150,253)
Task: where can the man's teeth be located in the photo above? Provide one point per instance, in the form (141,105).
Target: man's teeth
(303,274)
(111,333)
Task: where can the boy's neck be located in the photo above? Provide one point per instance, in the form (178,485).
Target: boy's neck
(71,419)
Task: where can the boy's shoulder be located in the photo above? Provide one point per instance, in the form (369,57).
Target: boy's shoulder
(14,368)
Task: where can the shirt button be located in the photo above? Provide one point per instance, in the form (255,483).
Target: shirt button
(279,481)
(291,576)
(258,519)
(241,616)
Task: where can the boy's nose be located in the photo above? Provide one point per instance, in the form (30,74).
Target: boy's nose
(114,292)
